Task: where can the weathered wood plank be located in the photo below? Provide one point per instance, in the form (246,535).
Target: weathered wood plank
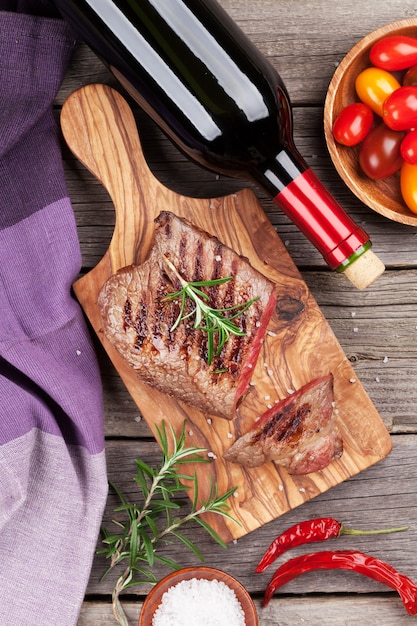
(365,610)
(382,496)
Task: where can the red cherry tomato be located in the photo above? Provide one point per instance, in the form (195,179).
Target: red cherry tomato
(408,181)
(400,108)
(380,154)
(410,77)
(393,53)
(409,147)
(353,124)
(373,87)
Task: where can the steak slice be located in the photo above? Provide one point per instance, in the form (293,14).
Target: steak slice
(138,321)
(300,432)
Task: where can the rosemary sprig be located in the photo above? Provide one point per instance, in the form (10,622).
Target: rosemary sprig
(206,318)
(141,532)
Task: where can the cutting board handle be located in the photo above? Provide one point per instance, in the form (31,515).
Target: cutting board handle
(100,129)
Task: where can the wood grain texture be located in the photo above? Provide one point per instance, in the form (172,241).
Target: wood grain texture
(317,611)
(100,129)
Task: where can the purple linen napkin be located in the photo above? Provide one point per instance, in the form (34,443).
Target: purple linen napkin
(53,481)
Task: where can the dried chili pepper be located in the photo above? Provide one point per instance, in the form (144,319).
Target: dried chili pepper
(350,560)
(319,529)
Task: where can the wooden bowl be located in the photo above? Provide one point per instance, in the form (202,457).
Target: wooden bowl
(383,196)
(154,598)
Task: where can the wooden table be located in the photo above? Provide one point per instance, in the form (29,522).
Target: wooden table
(376,328)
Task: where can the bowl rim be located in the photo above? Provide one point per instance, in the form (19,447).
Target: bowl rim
(200,572)
(406,216)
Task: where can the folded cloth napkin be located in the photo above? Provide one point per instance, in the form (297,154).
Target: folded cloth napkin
(53,481)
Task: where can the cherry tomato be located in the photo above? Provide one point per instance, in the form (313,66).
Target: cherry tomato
(380,154)
(353,124)
(373,87)
(397,52)
(408,181)
(400,108)
(410,77)
(409,147)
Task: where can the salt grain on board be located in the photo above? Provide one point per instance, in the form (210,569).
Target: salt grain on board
(199,602)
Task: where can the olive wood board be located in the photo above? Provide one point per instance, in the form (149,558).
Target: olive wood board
(100,129)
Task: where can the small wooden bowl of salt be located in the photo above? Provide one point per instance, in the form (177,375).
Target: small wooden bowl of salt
(196,596)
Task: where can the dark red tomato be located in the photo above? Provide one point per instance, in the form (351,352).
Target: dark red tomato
(409,147)
(410,77)
(399,110)
(380,154)
(397,52)
(353,124)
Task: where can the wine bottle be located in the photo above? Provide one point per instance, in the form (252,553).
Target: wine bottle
(191,68)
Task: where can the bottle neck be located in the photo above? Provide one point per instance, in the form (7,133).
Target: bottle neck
(303,198)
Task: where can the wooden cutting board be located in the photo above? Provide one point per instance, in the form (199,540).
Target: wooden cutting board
(100,129)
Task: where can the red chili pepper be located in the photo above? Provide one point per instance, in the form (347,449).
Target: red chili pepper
(350,560)
(310,531)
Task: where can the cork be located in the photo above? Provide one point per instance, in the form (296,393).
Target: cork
(365,270)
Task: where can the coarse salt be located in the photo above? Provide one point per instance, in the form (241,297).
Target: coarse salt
(199,602)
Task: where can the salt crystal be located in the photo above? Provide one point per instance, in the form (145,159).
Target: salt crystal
(209,421)
(377,379)
(267,397)
(353,314)
(229,435)
(302,489)
(352,380)
(385,359)
(270,372)
(198,602)
(211,455)
(78,352)
(290,391)
(218,257)
(271,333)
(280,488)
(356,329)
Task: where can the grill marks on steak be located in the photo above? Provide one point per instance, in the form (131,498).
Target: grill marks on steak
(138,322)
(300,432)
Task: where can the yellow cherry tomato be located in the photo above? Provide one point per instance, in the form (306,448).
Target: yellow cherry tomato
(373,87)
(408,178)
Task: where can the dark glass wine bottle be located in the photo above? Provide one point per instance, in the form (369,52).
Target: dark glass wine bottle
(200,78)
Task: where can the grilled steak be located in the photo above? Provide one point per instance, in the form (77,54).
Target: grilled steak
(138,321)
(300,432)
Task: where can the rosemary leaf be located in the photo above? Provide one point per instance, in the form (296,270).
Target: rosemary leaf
(214,322)
(148,526)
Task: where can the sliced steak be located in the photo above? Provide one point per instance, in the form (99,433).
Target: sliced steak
(138,321)
(300,432)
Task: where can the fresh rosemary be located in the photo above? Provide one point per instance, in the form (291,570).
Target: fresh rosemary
(212,321)
(146,527)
